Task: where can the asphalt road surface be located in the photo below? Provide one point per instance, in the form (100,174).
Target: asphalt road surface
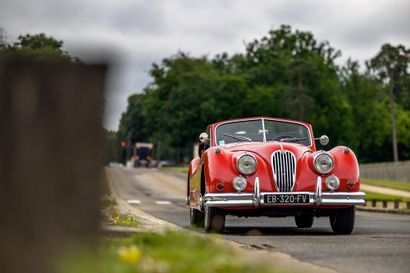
(379,243)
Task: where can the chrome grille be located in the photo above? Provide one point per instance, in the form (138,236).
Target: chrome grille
(284,170)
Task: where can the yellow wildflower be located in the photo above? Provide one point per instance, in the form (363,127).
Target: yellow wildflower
(130,254)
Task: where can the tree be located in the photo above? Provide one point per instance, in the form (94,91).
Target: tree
(38,47)
(287,73)
(132,126)
(299,80)
(370,116)
(391,65)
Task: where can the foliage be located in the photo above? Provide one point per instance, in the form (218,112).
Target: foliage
(37,47)
(391,66)
(285,74)
(125,220)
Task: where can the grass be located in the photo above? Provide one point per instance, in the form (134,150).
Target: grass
(370,196)
(386,184)
(178,169)
(125,220)
(169,252)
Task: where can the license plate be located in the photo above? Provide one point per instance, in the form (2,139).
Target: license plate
(286,198)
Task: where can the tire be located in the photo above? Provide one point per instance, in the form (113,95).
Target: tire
(304,220)
(214,220)
(342,222)
(196,217)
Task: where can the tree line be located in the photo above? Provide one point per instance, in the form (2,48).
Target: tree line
(287,74)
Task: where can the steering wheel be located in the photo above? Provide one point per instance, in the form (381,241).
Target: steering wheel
(280,137)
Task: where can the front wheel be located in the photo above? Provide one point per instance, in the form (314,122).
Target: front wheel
(342,222)
(214,220)
(196,217)
(304,220)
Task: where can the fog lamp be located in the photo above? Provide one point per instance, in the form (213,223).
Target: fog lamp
(332,182)
(239,183)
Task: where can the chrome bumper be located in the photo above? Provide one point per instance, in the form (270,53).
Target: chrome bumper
(257,198)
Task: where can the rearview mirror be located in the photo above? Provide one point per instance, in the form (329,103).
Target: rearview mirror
(203,138)
(324,140)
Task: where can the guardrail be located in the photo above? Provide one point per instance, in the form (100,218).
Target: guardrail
(395,171)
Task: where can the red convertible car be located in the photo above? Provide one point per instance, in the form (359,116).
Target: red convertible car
(266,166)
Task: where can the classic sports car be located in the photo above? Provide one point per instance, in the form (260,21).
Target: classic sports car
(266,166)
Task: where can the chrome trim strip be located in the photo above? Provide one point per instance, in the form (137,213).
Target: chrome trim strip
(318,193)
(264,130)
(256,193)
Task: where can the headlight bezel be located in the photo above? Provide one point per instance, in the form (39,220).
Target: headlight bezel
(315,162)
(238,162)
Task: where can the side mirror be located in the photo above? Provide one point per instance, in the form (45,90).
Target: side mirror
(203,138)
(324,140)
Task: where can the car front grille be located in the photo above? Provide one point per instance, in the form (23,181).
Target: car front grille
(284,170)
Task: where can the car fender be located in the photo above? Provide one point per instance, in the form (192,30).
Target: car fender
(346,167)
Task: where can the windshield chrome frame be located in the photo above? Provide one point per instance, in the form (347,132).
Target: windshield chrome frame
(263,128)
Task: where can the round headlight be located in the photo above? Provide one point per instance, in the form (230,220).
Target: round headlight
(332,183)
(246,164)
(239,183)
(324,163)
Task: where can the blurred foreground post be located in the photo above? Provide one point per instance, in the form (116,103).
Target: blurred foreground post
(51,144)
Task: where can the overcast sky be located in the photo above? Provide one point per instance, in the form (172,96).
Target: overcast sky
(136,33)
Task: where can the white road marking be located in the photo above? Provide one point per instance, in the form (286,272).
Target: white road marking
(134,202)
(163,203)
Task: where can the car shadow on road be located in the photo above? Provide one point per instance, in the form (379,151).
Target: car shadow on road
(277,231)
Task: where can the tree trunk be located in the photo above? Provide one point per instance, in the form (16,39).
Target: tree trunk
(393,124)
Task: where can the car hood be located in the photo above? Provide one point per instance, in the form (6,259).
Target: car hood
(265,149)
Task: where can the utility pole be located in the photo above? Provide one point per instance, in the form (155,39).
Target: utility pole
(158,151)
(393,121)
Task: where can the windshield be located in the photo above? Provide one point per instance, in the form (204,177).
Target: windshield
(262,130)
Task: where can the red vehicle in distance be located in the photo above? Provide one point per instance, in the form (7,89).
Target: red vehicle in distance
(264,166)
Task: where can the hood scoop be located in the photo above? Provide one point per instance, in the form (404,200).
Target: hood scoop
(284,170)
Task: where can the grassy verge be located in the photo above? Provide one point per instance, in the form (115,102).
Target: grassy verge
(386,184)
(178,169)
(370,196)
(169,252)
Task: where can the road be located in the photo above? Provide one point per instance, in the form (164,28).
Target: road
(379,243)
